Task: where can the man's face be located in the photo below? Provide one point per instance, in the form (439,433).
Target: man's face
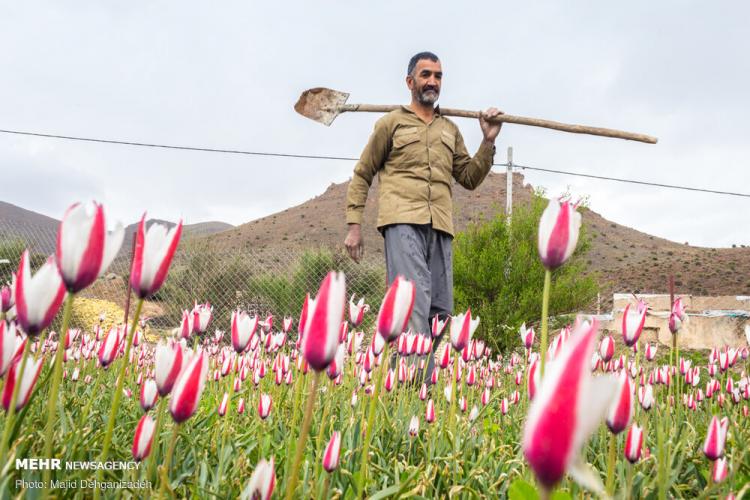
(425,81)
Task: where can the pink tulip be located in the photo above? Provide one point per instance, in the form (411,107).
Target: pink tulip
(527,336)
(264,406)
(202,314)
(438,326)
(149,393)
(504,406)
(430,412)
(84,247)
(110,346)
(396,309)
(38,297)
(389,380)
(568,406)
(28,380)
(357,311)
(621,410)
(186,324)
(634,443)
(321,337)
(720,470)
(261,483)
(646,396)
(423,392)
(607,348)
(7,297)
(241,406)
(167,366)
(650,351)
(223,405)
(414,426)
(286,325)
(307,307)
(154,250)
(632,323)
(532,378)
(716,436)
(188,388)
(462,330)
(332,453)
(558,233)
(243,329)
(11,346)
(485,396)
(677,316)
(143,438)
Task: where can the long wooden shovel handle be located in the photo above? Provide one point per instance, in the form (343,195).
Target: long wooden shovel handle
(521,120)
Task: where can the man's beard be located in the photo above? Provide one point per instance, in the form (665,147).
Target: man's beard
(428,96)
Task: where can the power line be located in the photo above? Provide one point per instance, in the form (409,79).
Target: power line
(630,181)
(170,146)
(346,158)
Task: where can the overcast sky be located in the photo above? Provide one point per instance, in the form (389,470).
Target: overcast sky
(226,75)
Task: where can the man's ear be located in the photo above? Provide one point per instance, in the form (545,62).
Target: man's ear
(410,82)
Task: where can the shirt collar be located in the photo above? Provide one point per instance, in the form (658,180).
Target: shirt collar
(409,110)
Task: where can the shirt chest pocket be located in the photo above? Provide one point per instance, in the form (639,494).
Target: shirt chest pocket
(449,141)
(407,147)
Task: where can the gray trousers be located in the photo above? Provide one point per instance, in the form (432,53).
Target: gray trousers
(423,255)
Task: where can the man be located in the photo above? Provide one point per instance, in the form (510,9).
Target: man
(417,153)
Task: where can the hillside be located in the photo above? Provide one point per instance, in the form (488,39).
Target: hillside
(626,260)
(40,231)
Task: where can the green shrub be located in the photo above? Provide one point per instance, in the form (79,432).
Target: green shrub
(497,272)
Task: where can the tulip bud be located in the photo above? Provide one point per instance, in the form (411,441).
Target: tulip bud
(396,308)
(149,393)
(188,388)
(331,455)
(558,233)
(261,483)
(144,436)
(264,406)
(633,443)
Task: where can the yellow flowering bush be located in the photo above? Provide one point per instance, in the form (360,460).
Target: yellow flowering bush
(86,313)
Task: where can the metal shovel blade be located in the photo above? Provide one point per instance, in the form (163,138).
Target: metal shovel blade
(321,104)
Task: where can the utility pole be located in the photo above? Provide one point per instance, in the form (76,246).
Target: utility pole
(509,186)
(508,200)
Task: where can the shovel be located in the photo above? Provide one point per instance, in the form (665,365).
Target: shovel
(324,105)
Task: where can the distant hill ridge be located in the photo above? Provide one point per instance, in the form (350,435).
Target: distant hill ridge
(18,221)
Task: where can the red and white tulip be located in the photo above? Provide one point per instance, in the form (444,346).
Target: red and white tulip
(85,248)
(154,250)
(558,233)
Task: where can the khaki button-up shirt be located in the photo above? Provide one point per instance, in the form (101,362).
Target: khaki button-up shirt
(416,163)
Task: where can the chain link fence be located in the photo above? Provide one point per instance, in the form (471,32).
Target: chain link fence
(264,281)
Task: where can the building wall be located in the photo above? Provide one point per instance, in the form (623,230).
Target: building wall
(712,321)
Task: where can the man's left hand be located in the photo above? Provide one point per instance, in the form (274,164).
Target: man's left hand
(490,130)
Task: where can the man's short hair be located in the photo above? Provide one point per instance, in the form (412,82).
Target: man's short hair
(418,57)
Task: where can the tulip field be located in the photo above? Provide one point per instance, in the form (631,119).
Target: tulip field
(341,401)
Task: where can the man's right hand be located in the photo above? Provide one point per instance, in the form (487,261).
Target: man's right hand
(353,242)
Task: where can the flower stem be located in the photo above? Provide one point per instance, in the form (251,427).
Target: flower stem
(662,466)
(370,421)
(52,401)
(545,314)
(157,429)
(299,383)
(452,418)
(117,396)
(13,400)
(611,464)
(293,478)
(168,461)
